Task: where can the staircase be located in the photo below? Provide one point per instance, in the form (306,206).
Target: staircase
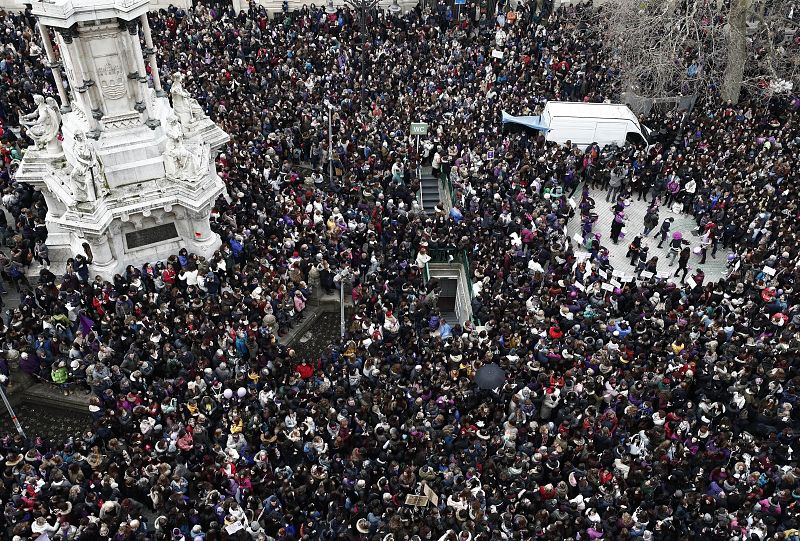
(429,190)
(447,300)
(454,301)
(450,267)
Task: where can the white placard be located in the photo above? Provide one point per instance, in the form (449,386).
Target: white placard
(647,274)
(618,273)
(607,287)
(627,278)
(664,275)
(497,54)
(432,496)
(577,238)
(769,270)
(615,283)
(603,274)
(580,286)
(233,527)
(416,500)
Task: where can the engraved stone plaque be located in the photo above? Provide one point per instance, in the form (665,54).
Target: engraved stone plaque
(151,235)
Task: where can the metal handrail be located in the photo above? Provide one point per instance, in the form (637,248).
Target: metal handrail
(447,187)
(468,274)
(442,254)
(418,173)
(467,270)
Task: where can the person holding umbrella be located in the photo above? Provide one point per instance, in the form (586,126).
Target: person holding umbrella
(490,376)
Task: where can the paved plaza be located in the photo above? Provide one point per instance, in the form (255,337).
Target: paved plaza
(714,268)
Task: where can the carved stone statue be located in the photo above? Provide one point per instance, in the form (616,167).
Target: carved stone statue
(55,110)
(179,161)
(186,107)
(42,124)
(82,174)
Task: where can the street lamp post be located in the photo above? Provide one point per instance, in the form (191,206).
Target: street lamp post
(363,7)
(343,277)
(11,413)
(330,108)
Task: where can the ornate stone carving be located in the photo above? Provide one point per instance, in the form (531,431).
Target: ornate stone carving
(82,176)
(95,240)
(111,77)
(42,124)
(197,215)
(186,107)
(181,162)
(66,35)
(122,121)
(111,177)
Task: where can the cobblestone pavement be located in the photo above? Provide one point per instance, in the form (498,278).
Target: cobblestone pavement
(714,268)
(317,340)
(12,298)
(49,423)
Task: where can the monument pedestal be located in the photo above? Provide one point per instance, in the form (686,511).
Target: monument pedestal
(127,177)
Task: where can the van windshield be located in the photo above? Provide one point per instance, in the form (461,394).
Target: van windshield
(635,138)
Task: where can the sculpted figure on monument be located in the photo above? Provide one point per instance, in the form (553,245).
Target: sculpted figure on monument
(55,111)
(179,161)
(42,124)
(81,176)
(186,107)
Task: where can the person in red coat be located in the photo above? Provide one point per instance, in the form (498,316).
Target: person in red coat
(305,370)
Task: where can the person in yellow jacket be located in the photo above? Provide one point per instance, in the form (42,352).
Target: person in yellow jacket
(236,425)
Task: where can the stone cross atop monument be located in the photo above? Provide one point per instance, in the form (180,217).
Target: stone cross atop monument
(131,176)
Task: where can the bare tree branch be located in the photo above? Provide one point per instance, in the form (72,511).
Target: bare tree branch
(671,48)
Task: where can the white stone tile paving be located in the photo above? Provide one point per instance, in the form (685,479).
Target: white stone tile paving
(714,268)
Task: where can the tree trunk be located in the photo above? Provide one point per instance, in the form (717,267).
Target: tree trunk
(737,50)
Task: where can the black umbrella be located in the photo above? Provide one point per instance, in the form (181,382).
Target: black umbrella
(490,376)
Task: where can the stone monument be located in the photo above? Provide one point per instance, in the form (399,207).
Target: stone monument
(131,174)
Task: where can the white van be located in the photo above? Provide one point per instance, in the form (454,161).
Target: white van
(585,123)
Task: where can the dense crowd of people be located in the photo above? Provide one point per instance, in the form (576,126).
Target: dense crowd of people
(656,410)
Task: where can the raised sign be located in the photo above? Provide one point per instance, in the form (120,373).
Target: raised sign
(418,501)
(419,128)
